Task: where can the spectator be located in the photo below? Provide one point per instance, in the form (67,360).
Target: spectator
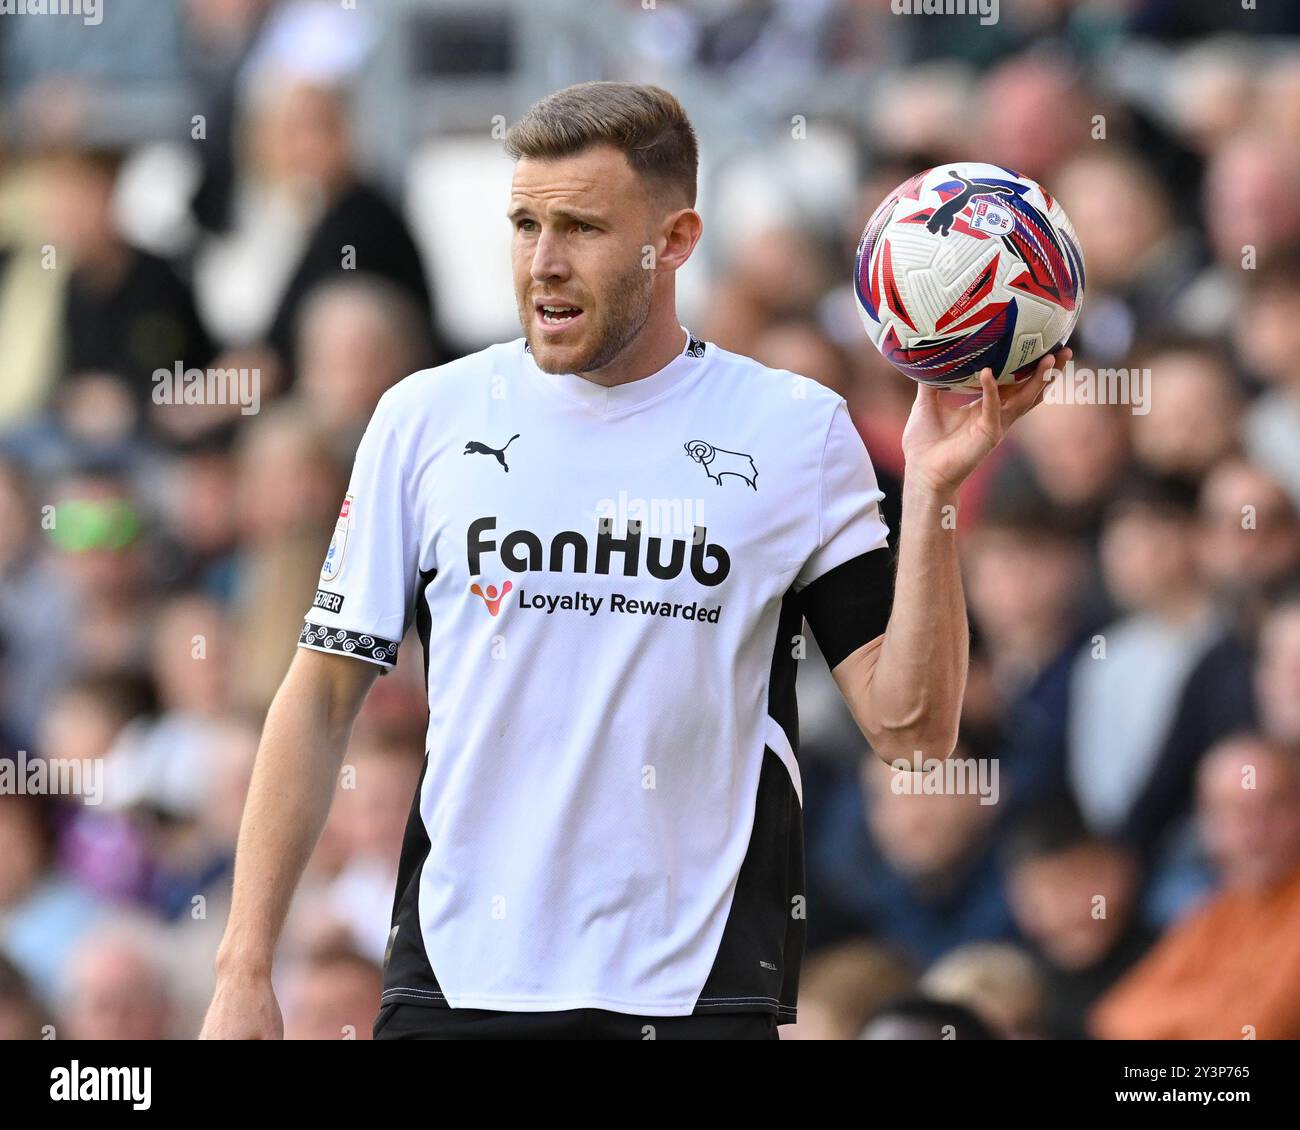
(354,908)
(1252,212)
(1230,969)
(1072,455)
(197,504)
(1267,335)
(333,995)
(43,914)
(31,309)
(356,338)
(219,37)
(352,228)
(1138,261)
(1212,87)
(1278,101)
(1162,684)
(921,1018)
(127,312)
(199,869)
(776,273)
(22,1016)
(999,983)
(289,490)
(98,530)
(909,866)
(1075,898)
(842,987)
(100,846)
(36,611)
(1194,420)
(1033,115)
(1248,538)
(116,985)
(1277,675)
(1025,568)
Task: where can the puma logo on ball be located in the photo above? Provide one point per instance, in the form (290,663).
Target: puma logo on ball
(941,222)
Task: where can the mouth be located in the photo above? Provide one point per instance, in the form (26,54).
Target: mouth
(556,317)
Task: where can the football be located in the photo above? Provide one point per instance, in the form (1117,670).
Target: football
(968,266)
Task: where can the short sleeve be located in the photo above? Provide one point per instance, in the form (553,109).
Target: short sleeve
(846,587)
(367,582)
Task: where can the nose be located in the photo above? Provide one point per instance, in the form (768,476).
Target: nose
(549,261)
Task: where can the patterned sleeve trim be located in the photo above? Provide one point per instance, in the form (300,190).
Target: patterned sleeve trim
(374,649)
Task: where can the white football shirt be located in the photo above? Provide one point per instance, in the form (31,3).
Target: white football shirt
(610,585)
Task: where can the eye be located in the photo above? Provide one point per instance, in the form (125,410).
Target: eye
(525,225)
(585,227)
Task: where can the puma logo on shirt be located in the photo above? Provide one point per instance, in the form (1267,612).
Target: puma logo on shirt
(473,447)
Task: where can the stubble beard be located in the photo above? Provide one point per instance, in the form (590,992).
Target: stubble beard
(627,308)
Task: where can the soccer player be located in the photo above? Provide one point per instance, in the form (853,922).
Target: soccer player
(608,534)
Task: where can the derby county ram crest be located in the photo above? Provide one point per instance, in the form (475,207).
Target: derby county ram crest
(717,462)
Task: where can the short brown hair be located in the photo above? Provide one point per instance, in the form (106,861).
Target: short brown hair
(645,122)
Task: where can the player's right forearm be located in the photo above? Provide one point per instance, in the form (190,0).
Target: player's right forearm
(298,760)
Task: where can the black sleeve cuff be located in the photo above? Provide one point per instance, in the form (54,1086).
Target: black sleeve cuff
(849,605)
(373,649)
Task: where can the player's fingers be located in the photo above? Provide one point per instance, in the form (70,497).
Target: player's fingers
(1024,396)
(1063,357)
(1046,363)
(972,395)
(990,404)
(928,401)
(1053,362)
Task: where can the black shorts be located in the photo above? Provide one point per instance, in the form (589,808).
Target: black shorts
(422,1022)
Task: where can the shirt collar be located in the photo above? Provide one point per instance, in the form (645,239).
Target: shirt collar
(631,394)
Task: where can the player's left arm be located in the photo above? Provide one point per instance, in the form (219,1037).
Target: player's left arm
(905,687)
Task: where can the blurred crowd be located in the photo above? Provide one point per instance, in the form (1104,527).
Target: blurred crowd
(1133,577)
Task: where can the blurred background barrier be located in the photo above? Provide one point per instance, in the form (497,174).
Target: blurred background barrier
(312,195)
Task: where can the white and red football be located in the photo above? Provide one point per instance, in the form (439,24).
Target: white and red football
(968,266)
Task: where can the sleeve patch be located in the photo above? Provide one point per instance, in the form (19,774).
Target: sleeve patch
(339,542)
(328,601)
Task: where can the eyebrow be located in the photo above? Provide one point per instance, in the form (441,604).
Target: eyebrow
(519,211)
